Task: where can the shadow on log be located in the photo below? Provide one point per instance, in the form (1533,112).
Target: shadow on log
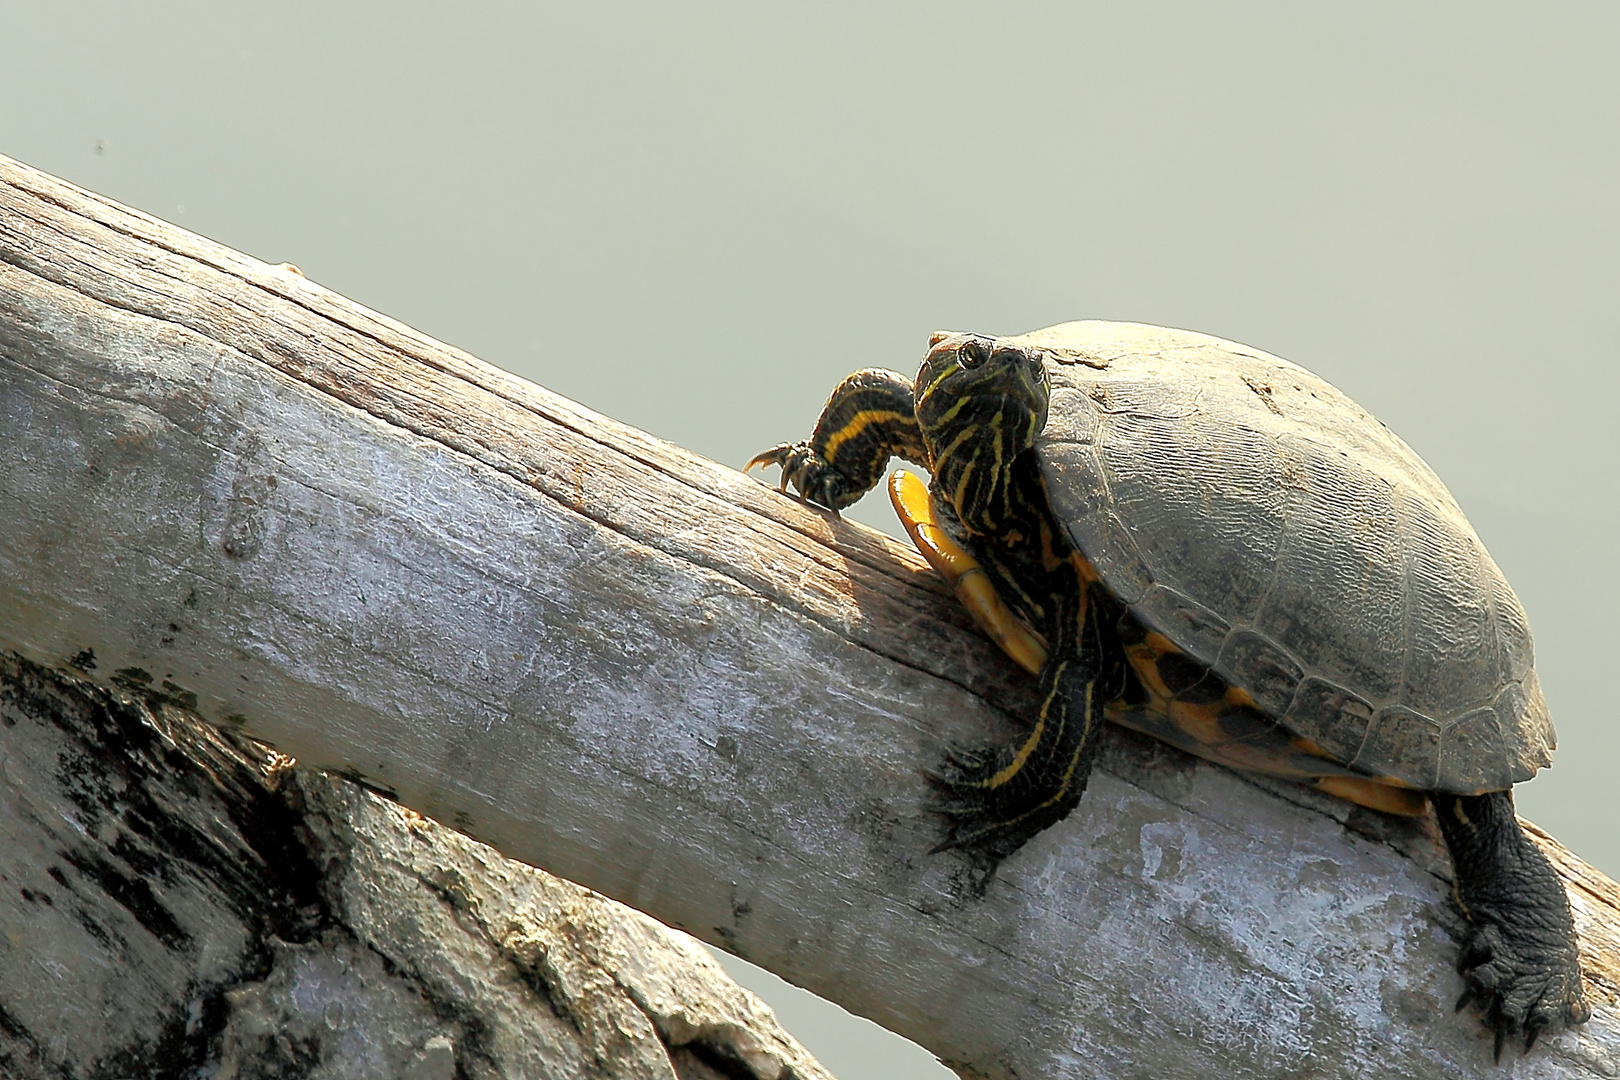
(230,488)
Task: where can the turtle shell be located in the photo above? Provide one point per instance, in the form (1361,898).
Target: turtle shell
(1274,530)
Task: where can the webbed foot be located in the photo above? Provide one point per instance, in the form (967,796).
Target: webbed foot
(994,799)
(1524,978)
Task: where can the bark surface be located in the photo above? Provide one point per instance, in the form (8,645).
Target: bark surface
(229,488)
(180,905)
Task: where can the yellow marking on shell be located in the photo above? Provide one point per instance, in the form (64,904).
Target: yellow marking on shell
(859,423)
(1150,720)
(1197,729)
(1050,559)
(1200,723)
(1309,746)
(1315,749)
(1145,659)
(1160,644)
(1375,795)
(1083,567)
(952,562)
(1238,697)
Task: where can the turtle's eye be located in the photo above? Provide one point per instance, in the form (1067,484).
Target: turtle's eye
(972,354)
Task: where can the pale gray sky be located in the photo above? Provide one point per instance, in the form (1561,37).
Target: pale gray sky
(697,217)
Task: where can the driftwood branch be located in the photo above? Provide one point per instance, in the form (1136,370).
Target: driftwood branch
(606,657)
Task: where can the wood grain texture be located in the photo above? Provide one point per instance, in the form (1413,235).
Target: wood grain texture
(180,906)
(644,672)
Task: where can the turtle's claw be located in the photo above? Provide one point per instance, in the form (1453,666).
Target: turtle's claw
(1524,985)
(811,476)
(776,455)
(788,457)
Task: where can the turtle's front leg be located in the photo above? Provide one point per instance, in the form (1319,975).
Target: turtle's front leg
(869,418)
(997,798)
(1520,964)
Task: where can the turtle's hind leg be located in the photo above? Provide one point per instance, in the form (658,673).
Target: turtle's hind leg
(1520,964)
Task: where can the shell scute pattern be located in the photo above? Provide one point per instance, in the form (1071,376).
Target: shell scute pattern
(1331,716)
(1468,744)
(1336,597)
(1181,701)
(1190,624)
(1272,529)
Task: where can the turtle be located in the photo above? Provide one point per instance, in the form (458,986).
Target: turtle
(1207,543)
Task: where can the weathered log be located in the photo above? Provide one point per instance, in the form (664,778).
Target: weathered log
(178,905)
(637,669)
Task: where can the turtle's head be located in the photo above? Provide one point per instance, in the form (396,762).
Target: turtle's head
(993,387)
(980,403)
